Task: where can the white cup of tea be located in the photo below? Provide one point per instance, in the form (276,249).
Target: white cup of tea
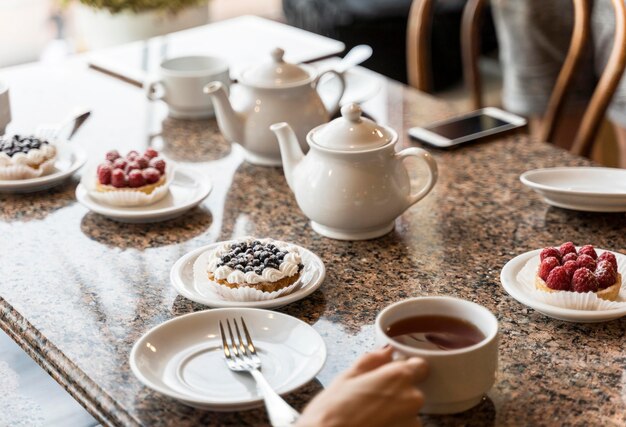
(180,84)
(5,107)
(460,375)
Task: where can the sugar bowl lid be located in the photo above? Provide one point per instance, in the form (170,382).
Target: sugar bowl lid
(352,132)
(275,73)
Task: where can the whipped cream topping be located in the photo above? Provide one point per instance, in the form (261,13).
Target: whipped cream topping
(34,157)
(289,266)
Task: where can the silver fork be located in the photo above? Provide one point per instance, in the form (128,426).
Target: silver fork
(52,132)
(241,356)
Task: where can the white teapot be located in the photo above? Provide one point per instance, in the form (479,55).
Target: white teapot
(352,184)
(269,93)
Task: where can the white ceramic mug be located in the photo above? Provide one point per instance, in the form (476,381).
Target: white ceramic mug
(457,379)
(5,107)
(181,81)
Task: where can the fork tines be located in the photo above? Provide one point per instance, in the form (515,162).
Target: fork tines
(241,350)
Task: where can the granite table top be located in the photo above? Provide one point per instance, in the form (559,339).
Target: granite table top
(77,289)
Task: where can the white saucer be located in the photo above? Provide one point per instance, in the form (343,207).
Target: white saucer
(580,188)
(183,358)
(361,85)
(508,277)
(70,158)
(182,279)
(187,190)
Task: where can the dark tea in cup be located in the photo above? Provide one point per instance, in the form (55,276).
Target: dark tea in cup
(435,332)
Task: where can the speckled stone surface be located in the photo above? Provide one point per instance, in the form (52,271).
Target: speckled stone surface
(77,290)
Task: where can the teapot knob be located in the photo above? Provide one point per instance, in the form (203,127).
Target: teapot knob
(277,54)
(352,112)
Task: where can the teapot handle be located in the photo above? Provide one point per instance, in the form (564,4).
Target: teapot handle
(432,168)
(342,84)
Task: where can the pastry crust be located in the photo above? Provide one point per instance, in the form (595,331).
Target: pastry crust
(147,189)
(262,286)
(609,293)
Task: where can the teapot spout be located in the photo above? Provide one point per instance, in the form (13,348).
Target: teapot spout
(230,122)
(290,150)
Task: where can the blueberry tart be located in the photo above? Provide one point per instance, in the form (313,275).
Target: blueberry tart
(23,157)
(262,264)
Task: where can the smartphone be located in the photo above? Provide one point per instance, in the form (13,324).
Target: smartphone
(467,127)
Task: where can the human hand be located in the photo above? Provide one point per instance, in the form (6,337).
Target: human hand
(375,391)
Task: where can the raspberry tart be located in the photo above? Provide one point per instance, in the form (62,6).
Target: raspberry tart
(263,264)
(23,157)
(133,180)
(566,269)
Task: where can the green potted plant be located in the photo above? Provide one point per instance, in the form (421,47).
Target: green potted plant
(100,23)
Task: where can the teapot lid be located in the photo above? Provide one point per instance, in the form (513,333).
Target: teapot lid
(352,132)
(276,73)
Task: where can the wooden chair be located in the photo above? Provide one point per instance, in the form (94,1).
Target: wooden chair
(419,71)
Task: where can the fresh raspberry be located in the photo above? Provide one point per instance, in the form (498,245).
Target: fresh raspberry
(132,155)
(136,179)
(571,266)
(546,266)
(143,162)
(606,274)
(151,175)
(588,250)
(584,281)
(558,279)
(151,153)
(106,163)
(567,248)
(550,252)
(112,155)
(569,257)
(586,261)
(132,165)
(104,174)
(120,163)
(118,178)
(608,256)
(158,163)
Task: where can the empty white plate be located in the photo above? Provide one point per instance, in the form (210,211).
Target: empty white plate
(187,190)
(182,278)
(361,85)
(510,283)
(70,158)
(183,358)
(580,188)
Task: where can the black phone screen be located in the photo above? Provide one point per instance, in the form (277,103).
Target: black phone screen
(468,126)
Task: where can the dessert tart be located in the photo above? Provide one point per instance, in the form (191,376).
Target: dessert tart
(23,157)
(133,180)
(565,269)
(263,264)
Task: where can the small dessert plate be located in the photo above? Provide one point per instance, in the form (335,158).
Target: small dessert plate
(183,358)
(580,188)
(187,190)
(182,278)
(69,159)
(511,284)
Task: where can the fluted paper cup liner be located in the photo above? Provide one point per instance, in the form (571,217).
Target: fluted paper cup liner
(571,300)
(127,197)
(242,294)
(15,172)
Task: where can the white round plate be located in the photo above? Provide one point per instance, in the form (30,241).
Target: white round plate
(580,188)
(182,279)
(187,190)
(361,86)
(69,159)
(183,358)
(508,277)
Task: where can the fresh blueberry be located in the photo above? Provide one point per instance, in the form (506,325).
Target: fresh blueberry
(256,262)
(226,258)
(248,268)
(258,271)
(239,267)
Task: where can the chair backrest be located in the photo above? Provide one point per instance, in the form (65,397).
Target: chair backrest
(611,76)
